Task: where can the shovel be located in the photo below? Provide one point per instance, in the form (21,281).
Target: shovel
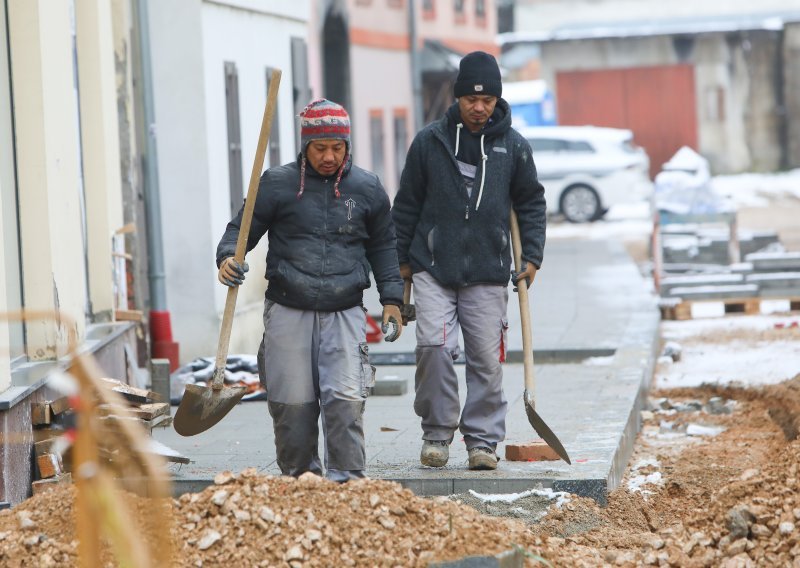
(529,395)
(202,407)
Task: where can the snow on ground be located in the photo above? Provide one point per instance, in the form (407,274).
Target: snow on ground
(755,190)
(747,350)
(634,220)
(627,222)
(560,497)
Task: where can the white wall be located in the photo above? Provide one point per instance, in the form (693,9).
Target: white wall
(191,41)
(381,80)
(261,40)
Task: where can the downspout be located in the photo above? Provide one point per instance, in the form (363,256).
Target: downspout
(416,81)
(162,345)
(780,102)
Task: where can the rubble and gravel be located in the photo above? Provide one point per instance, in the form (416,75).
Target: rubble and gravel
(725,500)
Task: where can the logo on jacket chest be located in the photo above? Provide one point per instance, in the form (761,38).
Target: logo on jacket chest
(350,204)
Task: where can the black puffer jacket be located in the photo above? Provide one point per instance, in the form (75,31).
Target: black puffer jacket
(321,246)
(443,230)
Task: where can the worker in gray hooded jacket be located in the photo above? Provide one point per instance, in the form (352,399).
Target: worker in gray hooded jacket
(328,222)
(452,213)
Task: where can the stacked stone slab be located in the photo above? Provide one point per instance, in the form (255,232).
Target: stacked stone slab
(696,266)
(688,244)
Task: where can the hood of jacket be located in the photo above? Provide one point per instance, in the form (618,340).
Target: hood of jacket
(497,125)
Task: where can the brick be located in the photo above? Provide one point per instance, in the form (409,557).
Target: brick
(532,451)
(49,465)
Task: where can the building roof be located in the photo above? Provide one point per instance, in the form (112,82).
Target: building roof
(645,28)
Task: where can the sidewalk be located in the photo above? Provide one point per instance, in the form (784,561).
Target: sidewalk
(595,329)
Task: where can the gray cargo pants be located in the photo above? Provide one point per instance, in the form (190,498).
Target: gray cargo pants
(317,361)
(480,311)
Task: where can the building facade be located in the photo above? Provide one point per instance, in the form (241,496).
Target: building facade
(721,78)
(360,54)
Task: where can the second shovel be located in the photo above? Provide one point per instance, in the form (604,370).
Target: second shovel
(529,395)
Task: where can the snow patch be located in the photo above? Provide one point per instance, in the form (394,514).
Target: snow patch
(560,497)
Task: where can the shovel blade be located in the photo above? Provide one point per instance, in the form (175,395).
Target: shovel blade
(544,431)
(202,407)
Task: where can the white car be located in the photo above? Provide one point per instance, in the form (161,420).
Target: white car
(586,170)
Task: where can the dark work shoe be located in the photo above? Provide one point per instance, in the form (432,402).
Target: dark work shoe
(435,453)
(482,458)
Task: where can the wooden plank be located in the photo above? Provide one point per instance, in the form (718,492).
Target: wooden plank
(159,422)
(59,405)
(132,393)
(128,315)
(151,411)
(40,413)
(45,484)
(49,465)
(145,411)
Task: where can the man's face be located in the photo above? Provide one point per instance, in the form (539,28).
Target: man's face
(476,110)
(326,155)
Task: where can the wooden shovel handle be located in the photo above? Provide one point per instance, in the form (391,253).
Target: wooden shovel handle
(524,309)
(244,229)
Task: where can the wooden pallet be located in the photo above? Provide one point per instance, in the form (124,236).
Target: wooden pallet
(678,309)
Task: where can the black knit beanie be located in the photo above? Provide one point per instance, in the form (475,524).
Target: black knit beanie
(478,74)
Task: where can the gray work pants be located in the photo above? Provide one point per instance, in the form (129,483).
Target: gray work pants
(317,363)
(480,312)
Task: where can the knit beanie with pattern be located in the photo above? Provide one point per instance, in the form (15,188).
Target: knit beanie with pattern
(478,74)
(319,120)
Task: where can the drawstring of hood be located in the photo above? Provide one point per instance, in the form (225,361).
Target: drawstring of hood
(339,174)
(484,157)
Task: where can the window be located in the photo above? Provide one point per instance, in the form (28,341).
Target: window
(459,11)
(428,9)
(376,142)
(274,150)
(548,145)
(400,141)
(301,92)
(480,9)
(234,137)
(579,146)
(395,3)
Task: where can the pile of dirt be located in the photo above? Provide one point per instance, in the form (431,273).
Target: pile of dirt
(728,500)
(713,482)
(252,520)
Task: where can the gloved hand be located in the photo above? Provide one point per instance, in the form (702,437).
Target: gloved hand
(391,316)
(405,271)
(231,273)
(528,272)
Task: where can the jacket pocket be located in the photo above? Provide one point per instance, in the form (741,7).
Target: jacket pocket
(367,371)
(431,238)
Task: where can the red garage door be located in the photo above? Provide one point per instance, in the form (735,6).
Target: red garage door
(657,103)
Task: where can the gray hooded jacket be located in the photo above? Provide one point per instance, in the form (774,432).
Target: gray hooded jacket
(463,239)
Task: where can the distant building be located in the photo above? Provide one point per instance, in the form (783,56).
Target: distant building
(360,55)
(211,64)
(721,77)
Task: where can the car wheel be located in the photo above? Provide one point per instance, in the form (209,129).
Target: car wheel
(580,204)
